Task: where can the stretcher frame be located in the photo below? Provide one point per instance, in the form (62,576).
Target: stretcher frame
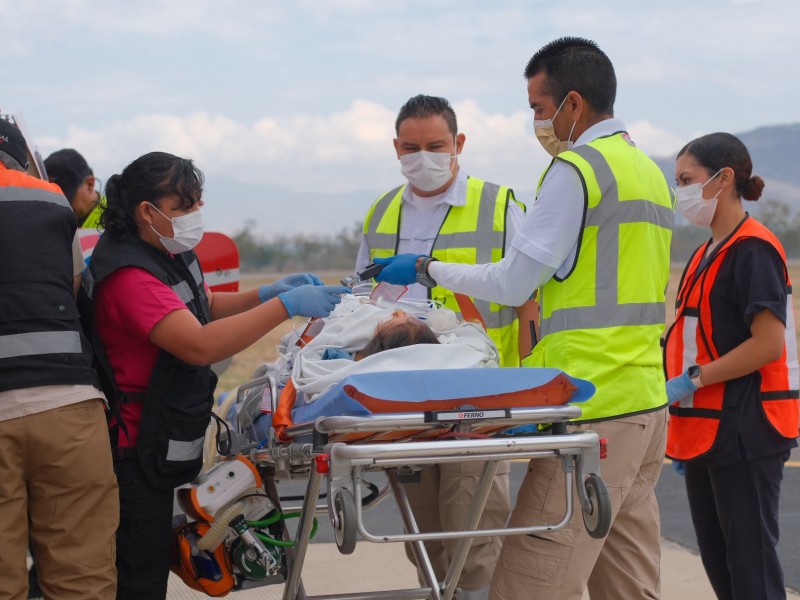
(343,465)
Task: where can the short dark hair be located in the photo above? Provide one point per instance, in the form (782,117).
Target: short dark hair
(576,64)
(68,169)
(422,106)
(149,178)
(716,151)
(397,335)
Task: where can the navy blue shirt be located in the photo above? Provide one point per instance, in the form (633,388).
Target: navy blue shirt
(751,278)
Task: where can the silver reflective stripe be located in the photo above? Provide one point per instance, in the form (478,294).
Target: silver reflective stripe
(43,342)
(791,346)
(689,357)
(382,240)
(484,239)
(194,269)
(183,291)
(607,216)
(483,242)
(183,451)
(24,194)
(617,315)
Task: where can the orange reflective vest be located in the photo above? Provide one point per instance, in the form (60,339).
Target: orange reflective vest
(694,420)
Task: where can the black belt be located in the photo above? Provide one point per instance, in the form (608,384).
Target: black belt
(126,397)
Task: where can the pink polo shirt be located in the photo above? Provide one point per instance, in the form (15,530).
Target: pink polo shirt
(128,304)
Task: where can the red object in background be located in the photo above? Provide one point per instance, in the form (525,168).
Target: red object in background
(217,253)
(219,257)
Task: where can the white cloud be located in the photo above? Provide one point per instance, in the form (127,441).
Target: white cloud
(653,140)
(342,151)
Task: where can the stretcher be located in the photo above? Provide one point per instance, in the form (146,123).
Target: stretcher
(395,423)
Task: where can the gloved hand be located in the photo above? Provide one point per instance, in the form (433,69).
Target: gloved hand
(399,270)
(679,467)
(312,300)
(679,387)
(269,291)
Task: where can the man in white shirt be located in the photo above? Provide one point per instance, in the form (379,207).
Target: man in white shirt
(444,212)
(596,246)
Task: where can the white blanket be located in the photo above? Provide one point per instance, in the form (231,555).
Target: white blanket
(352,324)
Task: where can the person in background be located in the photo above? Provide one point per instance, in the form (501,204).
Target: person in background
(731,359)
(57,485)
(69,170)
(158,327)
(596,245)
(443,212)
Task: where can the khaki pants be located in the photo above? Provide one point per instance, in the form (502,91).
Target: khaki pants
(559,565)
(57,486)
(440,502)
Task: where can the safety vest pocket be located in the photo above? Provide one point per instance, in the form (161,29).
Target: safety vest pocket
(170,443)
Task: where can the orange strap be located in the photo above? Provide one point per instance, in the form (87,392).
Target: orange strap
(282,418)
(469,311)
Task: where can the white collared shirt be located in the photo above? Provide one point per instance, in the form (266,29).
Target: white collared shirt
(422,217)
(545,245)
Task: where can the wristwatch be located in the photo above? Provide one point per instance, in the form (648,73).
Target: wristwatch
(694,376)
(422,271)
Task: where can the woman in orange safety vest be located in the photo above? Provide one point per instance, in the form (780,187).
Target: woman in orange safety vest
(732,372)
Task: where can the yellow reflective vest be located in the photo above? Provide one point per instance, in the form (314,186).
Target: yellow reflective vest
(474,233)
(92,220)
(604,320)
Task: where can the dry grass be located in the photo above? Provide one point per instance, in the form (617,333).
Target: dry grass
(263,351)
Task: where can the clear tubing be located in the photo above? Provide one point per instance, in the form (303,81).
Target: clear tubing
(219,529)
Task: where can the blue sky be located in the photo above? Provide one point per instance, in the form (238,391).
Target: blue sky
(302,95)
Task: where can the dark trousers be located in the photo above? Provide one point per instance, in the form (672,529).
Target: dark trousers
(144,535)
(735,516)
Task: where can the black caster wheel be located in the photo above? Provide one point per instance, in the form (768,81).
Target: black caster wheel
(344,530)
(598,519)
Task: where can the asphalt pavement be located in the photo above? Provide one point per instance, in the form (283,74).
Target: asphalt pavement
(676,524)
(384,567)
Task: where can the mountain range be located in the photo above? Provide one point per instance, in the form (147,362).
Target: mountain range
(775,151)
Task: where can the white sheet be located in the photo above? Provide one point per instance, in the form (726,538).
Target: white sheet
(352,325)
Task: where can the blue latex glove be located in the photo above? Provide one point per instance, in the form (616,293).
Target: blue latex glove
(679,467)
(679,387)
(399,270)
(312,300)
(269,291)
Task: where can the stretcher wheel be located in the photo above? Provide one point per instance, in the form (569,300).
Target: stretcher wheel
(598,518)
(344,530)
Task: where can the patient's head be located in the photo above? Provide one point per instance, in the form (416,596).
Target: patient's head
(397,331)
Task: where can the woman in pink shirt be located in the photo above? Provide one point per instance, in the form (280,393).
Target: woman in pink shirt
(157,328)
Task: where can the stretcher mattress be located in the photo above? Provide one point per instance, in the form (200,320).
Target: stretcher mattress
(419,391)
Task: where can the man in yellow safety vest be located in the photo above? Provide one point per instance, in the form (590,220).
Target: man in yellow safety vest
(69,170)
(596,245)
(443,212)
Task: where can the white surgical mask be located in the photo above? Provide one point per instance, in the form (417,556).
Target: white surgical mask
(546,134)
(694,208)
(427,171)
(187,231)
